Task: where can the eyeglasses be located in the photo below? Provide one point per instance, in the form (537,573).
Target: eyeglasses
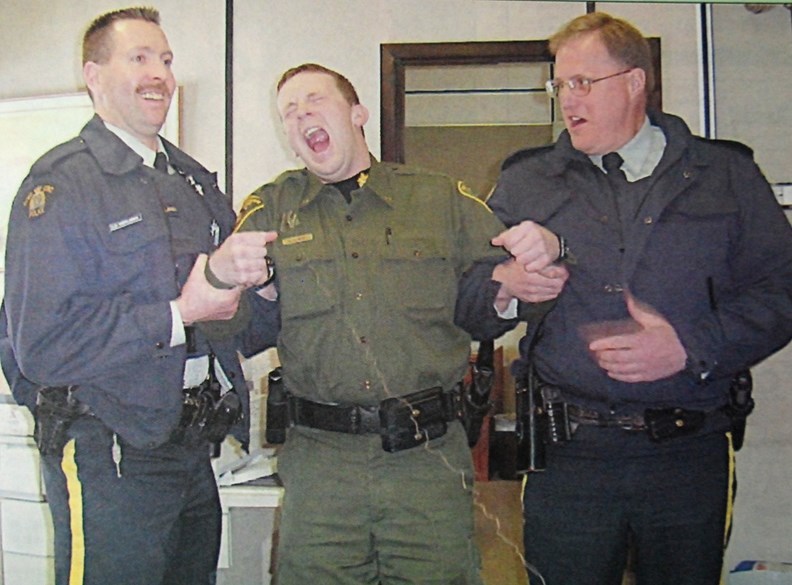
(579,86)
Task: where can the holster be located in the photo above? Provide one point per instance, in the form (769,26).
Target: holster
(542,419)
(475,401)
(56,409)
(741,404)
(208,411)
(278,418)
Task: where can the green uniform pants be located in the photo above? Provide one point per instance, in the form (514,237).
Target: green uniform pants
(354,514)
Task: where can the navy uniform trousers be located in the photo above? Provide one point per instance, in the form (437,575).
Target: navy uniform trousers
(131,520)
(670,502)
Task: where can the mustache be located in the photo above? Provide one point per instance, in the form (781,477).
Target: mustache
(154,87)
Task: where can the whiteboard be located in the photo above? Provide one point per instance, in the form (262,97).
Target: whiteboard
(29,127)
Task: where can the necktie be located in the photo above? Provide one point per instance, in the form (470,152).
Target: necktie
(612,163)
(161,162)
(618,181)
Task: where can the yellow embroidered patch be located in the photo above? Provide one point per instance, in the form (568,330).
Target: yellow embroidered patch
(36,200)
(250,205)
(464,189)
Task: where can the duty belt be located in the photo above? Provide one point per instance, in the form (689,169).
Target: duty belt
(660,423)
(582,416)
(340,418)
(357,419)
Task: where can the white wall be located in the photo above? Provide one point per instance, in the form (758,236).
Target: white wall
(39,54)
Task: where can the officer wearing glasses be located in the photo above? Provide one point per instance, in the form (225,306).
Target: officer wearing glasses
(680,277)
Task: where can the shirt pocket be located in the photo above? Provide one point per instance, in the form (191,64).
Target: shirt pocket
(133,243)
(697,231)
(307,279)
(418,275)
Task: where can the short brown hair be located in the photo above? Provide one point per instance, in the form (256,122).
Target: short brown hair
(96,42)
(624,42)
(344,85)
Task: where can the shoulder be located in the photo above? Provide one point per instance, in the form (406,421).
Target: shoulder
(722,146)
(526,155)
(58,155)
(288,182)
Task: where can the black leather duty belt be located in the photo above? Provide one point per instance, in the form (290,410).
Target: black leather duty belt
(659,423)
(353,419)
(584,416)
(358,420)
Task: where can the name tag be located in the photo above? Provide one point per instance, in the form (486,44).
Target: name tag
(297,239)
(117,225)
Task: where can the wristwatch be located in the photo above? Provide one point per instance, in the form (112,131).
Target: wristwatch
(563,249)
(270,275)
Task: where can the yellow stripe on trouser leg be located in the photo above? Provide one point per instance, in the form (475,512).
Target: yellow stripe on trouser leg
(729,501)
(69,467)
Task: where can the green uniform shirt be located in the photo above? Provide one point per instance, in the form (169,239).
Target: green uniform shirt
(368,289)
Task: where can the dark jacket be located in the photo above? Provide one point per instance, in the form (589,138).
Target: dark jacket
(710,249)
(90,272)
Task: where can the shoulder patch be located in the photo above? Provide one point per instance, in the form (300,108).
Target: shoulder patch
(36,200)
(250,205)
(465,191)
(523,154)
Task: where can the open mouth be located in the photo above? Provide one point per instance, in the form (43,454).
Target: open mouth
(153,94)
(575,121)
(317,139)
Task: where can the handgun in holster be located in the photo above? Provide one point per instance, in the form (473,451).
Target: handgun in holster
(476,395)
(209,410)
(56,409)
(741,404)
(542,419)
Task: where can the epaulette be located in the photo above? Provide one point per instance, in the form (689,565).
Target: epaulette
(55,155)
(732,145)
(523,154)
(412,170)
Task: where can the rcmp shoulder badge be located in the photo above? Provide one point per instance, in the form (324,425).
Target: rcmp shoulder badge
(36,200)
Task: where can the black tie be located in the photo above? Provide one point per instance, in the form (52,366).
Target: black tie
(612,163)
(616,179)
(161,162)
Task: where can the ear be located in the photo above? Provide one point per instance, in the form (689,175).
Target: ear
(360,115)
(91,75)
(637,80)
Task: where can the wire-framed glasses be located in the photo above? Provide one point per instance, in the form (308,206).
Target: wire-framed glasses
(579,86)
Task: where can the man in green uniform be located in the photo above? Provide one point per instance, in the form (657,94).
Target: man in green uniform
(368,255)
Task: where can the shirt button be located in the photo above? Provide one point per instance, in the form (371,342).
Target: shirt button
(359,296)
(355,255)
(159,345)
(363,339)
(648,220)
(349,218)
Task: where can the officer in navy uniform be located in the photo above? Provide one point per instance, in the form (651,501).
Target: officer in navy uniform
(680,264)
(105,293)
